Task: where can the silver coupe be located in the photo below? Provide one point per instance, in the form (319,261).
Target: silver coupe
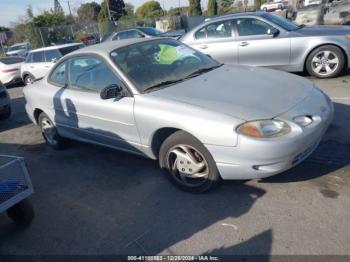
(264,39)
(201,119)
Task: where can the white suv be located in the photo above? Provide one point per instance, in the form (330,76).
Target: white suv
(40,61)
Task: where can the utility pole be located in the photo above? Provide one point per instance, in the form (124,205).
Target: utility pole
(70,10)
(109,11)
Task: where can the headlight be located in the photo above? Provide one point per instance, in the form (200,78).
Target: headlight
(264,128)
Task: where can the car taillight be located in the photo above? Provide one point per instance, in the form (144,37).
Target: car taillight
(10,70)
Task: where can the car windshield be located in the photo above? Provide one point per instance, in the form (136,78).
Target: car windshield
(150,31)
(156,64)
(282,22)
(17,47)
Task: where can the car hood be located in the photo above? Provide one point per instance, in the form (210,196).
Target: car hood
(324,30)
(243,92)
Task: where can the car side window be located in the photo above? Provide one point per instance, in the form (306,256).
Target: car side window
(90,74)
(29,58)
(52,55)
(222,29)
(58,76)
(252,26)
(120,36)
(37,57)
(134,34)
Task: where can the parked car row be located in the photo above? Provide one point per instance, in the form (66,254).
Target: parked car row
(40,61)
(265,39)
(273,6)
(204,121)
(19,49)
(193,104)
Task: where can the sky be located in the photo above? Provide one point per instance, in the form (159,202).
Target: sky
(13,10)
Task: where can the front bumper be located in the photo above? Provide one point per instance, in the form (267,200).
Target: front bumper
(258,158)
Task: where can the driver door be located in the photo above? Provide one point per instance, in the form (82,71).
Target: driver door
(85,116)
(256,47)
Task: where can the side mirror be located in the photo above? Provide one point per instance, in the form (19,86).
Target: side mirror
(273,31)
(111,91)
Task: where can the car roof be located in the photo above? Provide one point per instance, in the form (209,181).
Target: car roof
(259,13)
(18,44)
(54,47)
(107,47)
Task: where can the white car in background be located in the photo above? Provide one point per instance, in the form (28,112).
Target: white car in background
(20,49)
(272,6)
(10,69)
(40,61)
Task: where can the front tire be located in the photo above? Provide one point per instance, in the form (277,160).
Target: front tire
(49,132)
(325,62)
(188,164)
(28,80)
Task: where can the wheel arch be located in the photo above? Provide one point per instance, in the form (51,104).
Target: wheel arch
(36,114)
(159,137)
(26,73)
(332,44)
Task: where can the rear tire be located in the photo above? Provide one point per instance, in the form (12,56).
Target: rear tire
(49,132)
(188,164)
(22,213)
(325,62)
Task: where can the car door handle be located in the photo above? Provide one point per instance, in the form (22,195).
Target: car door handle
(243,43)
(203,46)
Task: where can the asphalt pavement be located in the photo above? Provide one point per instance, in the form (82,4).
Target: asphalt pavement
(93,200)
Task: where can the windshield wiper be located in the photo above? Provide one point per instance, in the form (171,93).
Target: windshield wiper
(162,84)
(170,82)
(202,70)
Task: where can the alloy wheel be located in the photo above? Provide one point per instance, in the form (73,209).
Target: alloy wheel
(325,63)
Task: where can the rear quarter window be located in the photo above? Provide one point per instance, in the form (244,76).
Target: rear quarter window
(69,49)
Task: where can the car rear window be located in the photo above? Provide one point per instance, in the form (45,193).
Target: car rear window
(11,60)
(69,49)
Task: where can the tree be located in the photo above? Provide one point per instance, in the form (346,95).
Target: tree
(50,19)
(117,8)
(88,12)
(225,6)
(129,10)
(178,11)
(3,29)
(212,8)
(195,8)
(149,9)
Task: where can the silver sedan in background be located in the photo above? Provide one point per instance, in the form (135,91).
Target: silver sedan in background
(162,99)
(264,39)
